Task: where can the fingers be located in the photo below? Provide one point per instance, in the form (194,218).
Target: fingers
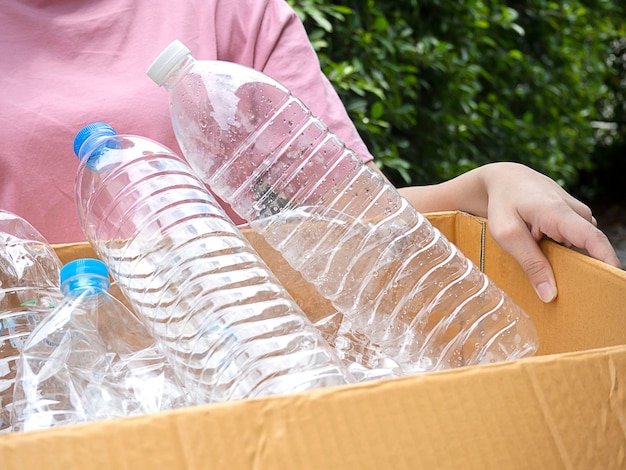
(579,207)
(519,238)
(571,222)
(518,241)
(587,236)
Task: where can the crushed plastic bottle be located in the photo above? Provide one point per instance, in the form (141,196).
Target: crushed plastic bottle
(29,289)
(396,278)
(228,326)
(91,359)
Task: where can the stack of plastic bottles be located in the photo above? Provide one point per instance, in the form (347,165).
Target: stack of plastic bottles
(210,321)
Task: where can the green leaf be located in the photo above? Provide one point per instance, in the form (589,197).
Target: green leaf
(377,110)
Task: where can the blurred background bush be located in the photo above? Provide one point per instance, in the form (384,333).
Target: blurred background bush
(437,87)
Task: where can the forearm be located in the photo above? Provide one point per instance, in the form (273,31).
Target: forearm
(466,192)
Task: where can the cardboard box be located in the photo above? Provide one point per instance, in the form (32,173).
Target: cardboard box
(562,409)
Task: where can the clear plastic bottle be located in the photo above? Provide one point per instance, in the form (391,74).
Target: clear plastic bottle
(29,289)
(91,359)
(365,248)
(228,326)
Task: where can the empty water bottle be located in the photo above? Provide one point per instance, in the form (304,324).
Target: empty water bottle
(91,359)
(29,288)
(227,324)
(365,248)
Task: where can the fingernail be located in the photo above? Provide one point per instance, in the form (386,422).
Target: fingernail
(546,292)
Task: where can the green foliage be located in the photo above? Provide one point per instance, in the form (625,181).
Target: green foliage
(437,87)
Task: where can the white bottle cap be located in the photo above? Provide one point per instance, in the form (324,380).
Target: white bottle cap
(166,61)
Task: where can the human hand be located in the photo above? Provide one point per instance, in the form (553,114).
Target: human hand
(524,206)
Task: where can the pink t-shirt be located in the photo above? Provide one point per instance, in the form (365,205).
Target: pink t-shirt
(68,63)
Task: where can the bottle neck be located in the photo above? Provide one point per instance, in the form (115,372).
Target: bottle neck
(177,71)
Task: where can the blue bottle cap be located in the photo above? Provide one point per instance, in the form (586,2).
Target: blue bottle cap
(84,271)
(89,130)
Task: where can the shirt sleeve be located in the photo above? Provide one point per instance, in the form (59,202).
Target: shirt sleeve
(267,35)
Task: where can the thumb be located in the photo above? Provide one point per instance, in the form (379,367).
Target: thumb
(525,249)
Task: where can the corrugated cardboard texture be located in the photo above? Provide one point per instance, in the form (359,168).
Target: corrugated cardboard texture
(556,411)
(590,311)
